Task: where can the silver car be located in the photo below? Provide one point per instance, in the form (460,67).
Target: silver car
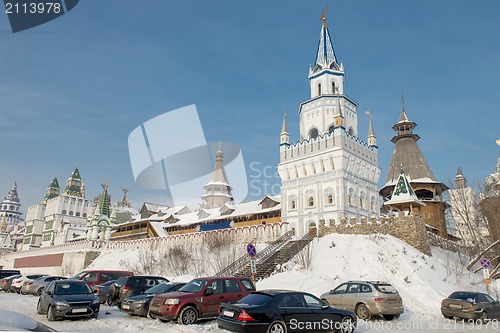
(366,299)
(35,287)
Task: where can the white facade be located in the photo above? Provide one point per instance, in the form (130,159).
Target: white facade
(58,217)
(330,174)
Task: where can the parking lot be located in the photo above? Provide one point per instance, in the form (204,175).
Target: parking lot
(111,319)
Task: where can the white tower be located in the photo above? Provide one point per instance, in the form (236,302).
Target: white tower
(330,174)
(11,209)
(217,190)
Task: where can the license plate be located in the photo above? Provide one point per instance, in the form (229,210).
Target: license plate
(455,306)
(79,310)
(228,313)
(125,307)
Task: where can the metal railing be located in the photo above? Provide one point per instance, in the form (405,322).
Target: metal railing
(241,262)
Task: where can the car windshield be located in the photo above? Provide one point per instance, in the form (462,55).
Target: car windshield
(193,286)
(464,296)
(159,288)
(78,276)
(72,288)
(386,288)
(255,299)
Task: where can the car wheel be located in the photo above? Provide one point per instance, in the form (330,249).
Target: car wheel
(39,308)
(484,318)
(277,326)
(363,312)
(23,292)
(50,314)
(347,325)
(188,316)
(388,317)
(150,315)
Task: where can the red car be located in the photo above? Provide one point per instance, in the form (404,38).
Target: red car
(200,298)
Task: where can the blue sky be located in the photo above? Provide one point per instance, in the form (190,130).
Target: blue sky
(72,90)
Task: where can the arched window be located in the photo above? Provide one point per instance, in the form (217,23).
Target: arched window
(351,131)
(84,215)
(70,213)
(310,202)
(333,87)
(313,133)
(63,212)
(330,198)
(330,129)
(77,213)
(292,204)
(319,89)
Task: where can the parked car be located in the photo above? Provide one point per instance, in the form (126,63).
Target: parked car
(283,311)
(35,287)
(139,304)
(102,290)
(8,272)
(470,305)
(95,277)
(14,321)
(18,283)
(68,299)
(366,299)
(7,281)
(131,286)
(199,298)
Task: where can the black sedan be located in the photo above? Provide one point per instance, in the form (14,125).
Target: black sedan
(280,311)
(139,305)
(68,299)
(470,305)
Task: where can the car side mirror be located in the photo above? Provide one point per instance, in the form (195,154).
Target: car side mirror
(209,291)
(332,291)
(94,291)
(324,307)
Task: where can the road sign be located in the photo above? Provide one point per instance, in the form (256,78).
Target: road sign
(251,250)
(485,263)
(486,274)
(253,266)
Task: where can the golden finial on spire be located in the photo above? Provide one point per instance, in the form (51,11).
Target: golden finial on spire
(498,142)
(105,185)
(323,16)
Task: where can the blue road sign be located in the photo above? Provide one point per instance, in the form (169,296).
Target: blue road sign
(251,250)
(485,263)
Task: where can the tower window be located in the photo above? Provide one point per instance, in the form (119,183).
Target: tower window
(330,199)
(310,201)
(292,205)
(333,87)
(330,129)
(319,89)
(313,133)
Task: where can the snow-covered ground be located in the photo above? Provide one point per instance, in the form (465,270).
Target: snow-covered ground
(422,281)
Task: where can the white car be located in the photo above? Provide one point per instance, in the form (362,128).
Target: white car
(18,283)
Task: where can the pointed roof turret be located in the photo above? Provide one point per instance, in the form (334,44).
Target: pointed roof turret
(53,190)
(372,138)
(403,192)
(13,196)
(74,184)
(460,180)
(325,55)
(217,190)
(104,201)
(283,127)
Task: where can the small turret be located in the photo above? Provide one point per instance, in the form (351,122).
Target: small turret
(372,139)
(460,180)
(52,191)
(338,118)
(284,137)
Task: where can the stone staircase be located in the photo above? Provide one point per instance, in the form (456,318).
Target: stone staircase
(278,253)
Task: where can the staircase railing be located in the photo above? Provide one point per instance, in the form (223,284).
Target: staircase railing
(241,262)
